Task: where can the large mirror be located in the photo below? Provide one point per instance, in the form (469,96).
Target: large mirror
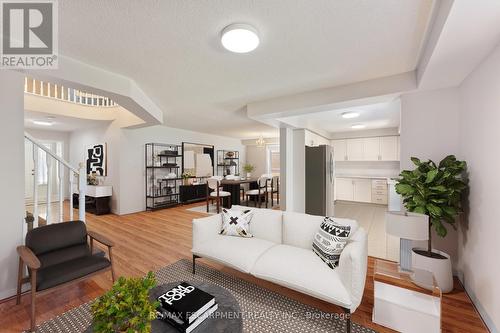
(198,159)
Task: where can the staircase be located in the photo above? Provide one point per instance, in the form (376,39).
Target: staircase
(45,212)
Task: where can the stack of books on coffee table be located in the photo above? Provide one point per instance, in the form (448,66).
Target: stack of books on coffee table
(185,307)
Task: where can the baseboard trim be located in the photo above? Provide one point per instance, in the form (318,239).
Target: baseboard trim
(479,307)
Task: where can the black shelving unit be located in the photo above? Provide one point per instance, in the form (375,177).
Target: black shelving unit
(163,175)
(228,162)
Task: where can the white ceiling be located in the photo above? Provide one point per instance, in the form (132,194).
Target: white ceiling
(60,123)
(172,50)
(374,116)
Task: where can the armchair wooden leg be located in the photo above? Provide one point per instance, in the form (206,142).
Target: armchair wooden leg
(194,263)
(207,204)
(19,281)
(33,300)
(218,204)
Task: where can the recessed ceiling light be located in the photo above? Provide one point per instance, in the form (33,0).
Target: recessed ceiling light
(240,38)
(358,126)
(349,115)
(43,122)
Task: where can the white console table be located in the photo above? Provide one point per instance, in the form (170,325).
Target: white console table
(97,199)
(402,305)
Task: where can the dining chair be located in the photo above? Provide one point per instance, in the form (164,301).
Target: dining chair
(274,188)
(260,192)
(215,192)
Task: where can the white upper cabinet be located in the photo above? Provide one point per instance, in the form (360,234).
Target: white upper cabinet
(371,149)
(389,150)
(339,150)
(355,149)
(385,148)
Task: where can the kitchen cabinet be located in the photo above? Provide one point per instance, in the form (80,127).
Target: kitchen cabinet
(339,150)
(371,149)
(389,148)
(344,189)
(355,149)
(384,148)
(362,189)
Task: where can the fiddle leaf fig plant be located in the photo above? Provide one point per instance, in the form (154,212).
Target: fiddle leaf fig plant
(434,190)
(126,307)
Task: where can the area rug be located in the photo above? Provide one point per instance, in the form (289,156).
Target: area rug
(262,310)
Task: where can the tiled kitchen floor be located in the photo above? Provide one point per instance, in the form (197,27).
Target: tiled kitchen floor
(372,218)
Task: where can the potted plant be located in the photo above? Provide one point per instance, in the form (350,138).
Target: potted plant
(437,191)
(248,168)
(126,307)
(186,175)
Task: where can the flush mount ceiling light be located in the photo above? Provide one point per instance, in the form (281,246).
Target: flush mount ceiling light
(240,38)
(350,115)
(43,122)
(358,126)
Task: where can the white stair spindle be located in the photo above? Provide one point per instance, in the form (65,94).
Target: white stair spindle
(35,186)
(49,187)
(33,86)
(82,185)
(71,190)
(41,88)
(25,84)
(60,179)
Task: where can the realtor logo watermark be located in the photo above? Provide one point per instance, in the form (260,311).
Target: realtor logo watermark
(29,34)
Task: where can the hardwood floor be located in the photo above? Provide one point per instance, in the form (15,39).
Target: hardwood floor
(149,240)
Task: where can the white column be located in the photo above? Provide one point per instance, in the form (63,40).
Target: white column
(286,169)
(12,171)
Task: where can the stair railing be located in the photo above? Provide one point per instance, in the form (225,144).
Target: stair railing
(51,161)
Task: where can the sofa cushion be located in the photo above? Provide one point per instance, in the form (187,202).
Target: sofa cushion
(266,223)
(299,229)
(54,275)
(301,270)
(330,240)
(56,236)
(236,222)
(237,252)
(64,254)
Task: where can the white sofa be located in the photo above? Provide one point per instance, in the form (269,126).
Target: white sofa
(281,252)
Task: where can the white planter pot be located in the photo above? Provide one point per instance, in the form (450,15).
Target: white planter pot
(440,267)
(249,175)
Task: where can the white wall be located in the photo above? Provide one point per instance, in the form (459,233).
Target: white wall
(430,130)
(110,134)
(312,139)
(479,245)
(257,156)
(12,171)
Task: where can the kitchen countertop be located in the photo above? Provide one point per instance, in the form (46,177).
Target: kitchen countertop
(364,177)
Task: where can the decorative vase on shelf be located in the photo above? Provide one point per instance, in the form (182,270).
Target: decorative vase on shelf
(186,181)
(249,175)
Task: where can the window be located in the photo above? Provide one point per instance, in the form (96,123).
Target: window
(273,159)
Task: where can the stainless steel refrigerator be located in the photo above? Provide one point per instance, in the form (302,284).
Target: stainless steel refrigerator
(320,180)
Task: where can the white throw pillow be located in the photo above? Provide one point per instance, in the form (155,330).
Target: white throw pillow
(236,222)
(330,240)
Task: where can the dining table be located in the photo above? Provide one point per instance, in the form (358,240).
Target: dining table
(233,186)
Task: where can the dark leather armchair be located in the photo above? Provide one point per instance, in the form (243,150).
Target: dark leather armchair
(59,254)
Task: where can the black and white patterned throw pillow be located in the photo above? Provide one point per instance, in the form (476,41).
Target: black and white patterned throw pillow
(236,222)
(330,240)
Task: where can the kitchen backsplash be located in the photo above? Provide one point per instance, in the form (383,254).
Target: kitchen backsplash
(382,169)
